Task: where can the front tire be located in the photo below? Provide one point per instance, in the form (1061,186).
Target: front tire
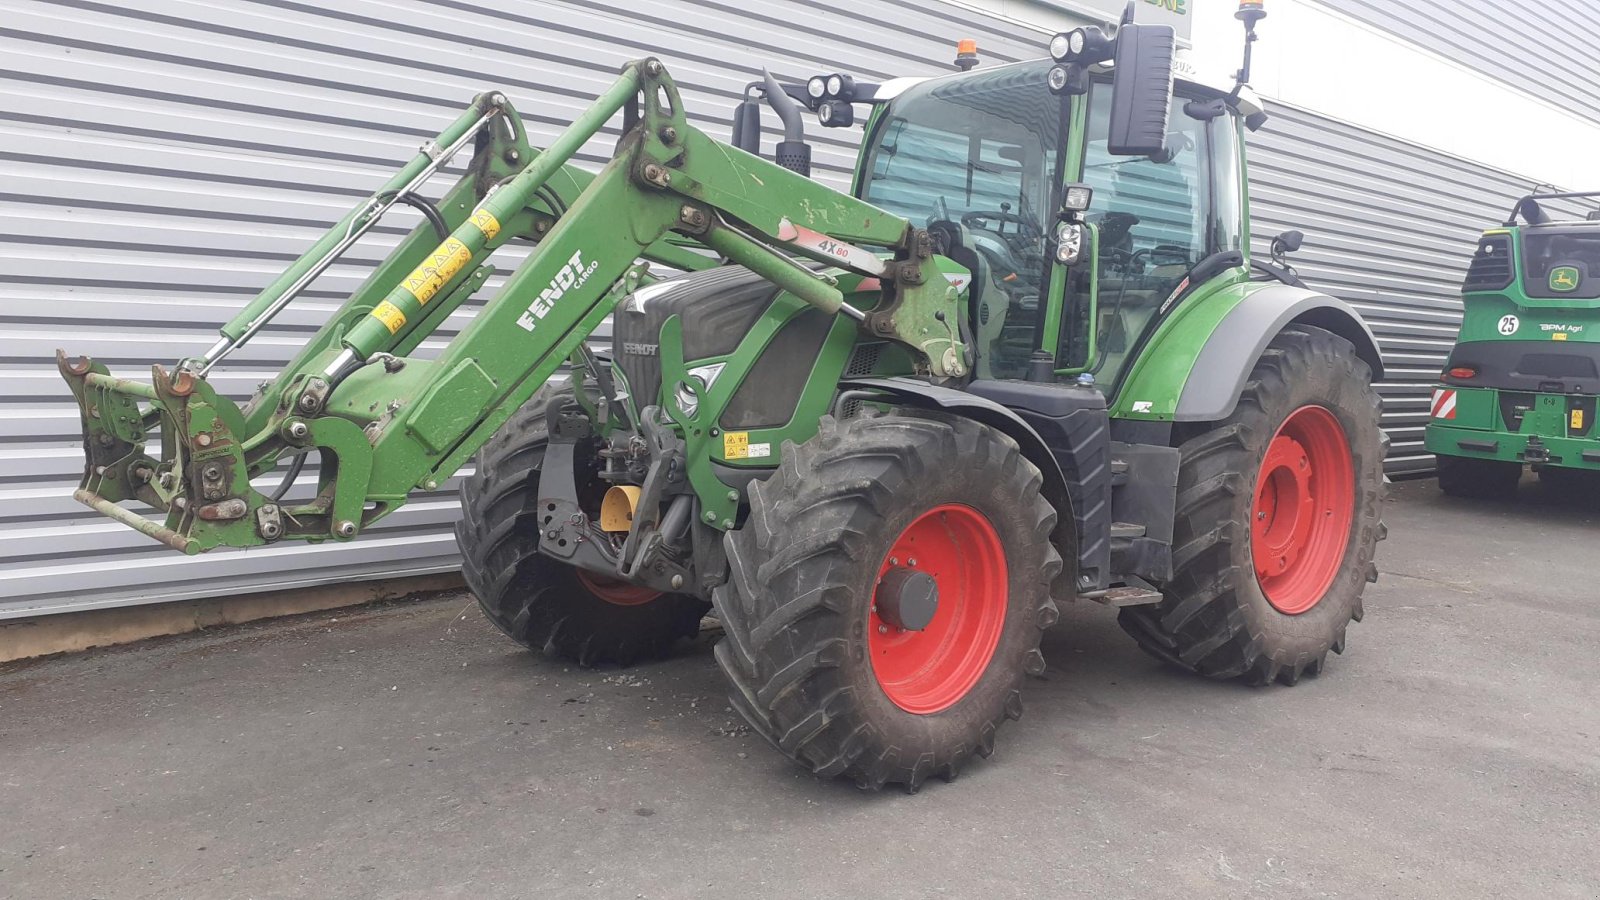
(540,602)
(818,660)
(1278,520)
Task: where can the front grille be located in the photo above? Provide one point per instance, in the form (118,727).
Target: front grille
(1491,265)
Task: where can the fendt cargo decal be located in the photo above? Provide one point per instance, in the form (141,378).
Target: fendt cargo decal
(573,274)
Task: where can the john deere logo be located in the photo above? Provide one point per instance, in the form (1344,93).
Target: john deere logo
(1564,278)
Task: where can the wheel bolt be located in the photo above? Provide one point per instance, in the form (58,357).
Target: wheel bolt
(883,629)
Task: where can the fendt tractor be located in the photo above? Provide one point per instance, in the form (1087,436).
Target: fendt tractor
(1520,384)
(1029,358)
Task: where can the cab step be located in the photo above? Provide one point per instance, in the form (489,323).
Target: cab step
(1136,592)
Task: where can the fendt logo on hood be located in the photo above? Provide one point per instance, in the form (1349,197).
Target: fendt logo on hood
(1564,279)
(572,275)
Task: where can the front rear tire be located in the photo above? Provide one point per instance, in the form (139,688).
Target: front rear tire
(832,652)
(1278,520)
(542,602)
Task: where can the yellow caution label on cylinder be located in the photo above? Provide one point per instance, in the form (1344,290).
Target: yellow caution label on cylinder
(1577,420)
(441,265)
(486,222)
(390,315)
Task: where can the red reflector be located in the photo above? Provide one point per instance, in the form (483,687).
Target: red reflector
(1463,372)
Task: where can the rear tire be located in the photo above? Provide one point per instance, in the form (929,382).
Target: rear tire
(814,666)
(1217,618)
(540,602)
(1479,479)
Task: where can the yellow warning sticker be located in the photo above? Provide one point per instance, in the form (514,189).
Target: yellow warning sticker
(736,445)
(390,315)
(486,222)
(1577,420)
(441,265)
(1558,336)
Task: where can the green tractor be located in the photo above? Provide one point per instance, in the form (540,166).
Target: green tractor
(883,434)
(1520,384)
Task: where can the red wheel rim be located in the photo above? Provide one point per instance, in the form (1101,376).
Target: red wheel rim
(615,590)
(1304,504)
(931,670)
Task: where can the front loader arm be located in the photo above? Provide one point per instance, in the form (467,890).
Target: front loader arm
(384,423)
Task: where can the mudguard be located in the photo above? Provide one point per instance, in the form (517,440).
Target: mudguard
(912,392)
(1229,355)
(1195,366)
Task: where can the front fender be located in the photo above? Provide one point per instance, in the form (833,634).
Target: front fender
(913,392)
(1200,376)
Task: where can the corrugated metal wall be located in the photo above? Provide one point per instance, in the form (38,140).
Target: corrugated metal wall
(159,164)
(1390,227)
(1544,47)
(161,160)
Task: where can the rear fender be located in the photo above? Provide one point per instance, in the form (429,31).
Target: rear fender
(1218,365)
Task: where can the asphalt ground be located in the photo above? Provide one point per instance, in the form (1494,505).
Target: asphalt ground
(409,750)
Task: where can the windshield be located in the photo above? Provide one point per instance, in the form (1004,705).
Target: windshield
(978,151)
(971,158)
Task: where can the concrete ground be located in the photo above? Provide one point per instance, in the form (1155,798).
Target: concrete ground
(411,751)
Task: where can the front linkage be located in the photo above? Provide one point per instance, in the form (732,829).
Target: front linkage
(385,424)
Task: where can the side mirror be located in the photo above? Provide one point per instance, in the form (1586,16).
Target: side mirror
(1287,242)
(1141,94)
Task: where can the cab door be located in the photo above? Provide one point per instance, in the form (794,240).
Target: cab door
(1156,218)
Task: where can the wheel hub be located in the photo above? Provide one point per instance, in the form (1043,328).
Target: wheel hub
(906,598)
(939,608)
(1283,514)
(1303,506)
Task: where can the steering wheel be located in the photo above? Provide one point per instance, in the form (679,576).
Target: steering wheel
(971,220)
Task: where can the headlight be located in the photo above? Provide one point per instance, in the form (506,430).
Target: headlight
(840,87)
(836,114)
(816,87)
(1057,79)
(1076,39)
(704,377)
(1060,46)
(1069,243)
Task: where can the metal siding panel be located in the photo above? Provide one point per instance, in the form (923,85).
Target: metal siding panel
(159,164)
(1543,47)
(1390,227)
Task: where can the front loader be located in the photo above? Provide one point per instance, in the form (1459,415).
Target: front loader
(1029,358)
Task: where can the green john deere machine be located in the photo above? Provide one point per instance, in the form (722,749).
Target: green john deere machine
(1028,359)
(1520,385)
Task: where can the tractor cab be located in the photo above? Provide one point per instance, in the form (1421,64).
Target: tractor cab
(983,159)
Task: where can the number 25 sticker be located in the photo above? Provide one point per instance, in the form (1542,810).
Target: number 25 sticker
(1509,324)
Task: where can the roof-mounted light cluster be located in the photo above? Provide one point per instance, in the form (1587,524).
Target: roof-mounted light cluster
(1084,46)
(1074,51)
(831,97)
